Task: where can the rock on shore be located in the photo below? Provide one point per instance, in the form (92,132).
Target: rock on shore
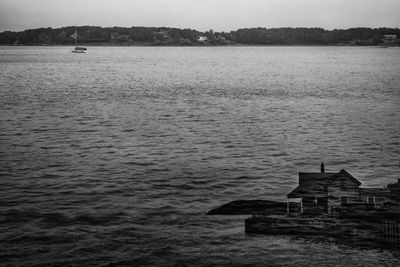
(243,207)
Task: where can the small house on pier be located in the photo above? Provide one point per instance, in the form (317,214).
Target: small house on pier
(331,193)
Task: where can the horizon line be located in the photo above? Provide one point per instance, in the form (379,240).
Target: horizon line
(171,27)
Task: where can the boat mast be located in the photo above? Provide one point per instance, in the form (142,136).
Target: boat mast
(76,35)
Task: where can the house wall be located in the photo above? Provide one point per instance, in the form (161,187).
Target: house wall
(315,205)
(340,188)
(378,201)
(395,192)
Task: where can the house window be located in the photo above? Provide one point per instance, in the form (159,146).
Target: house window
(343,200)
(370,199)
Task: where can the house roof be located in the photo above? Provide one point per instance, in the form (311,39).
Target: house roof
(311,184)
(345,173)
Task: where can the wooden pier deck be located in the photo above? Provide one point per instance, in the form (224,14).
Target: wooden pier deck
(379,232)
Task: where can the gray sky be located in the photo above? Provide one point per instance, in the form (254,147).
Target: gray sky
(219,15)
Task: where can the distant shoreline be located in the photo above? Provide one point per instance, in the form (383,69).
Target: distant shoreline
(165,36)
(195,45)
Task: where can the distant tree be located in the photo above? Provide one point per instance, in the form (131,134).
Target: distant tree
(210,36)
(43,38)
(61,37)
(167,36)
(8,37)
(184,41)
(96,34)
(189,34)
(377,38)
(141,34)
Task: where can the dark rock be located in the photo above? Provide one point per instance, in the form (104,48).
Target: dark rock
(241,207)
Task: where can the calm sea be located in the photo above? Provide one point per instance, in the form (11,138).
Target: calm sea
(113,157)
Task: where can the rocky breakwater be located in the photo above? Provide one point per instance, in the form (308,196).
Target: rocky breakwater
(244,207)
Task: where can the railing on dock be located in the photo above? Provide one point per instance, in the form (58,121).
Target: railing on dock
(391,232)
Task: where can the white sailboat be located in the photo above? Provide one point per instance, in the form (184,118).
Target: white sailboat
(78,49)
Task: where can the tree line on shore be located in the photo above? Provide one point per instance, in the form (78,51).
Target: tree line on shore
(175,36)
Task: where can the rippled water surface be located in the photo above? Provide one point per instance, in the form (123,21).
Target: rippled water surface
(113,157)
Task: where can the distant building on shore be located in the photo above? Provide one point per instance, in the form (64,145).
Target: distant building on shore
(390,40)
(160,35)
(202,39)
(332,193)
(116,37)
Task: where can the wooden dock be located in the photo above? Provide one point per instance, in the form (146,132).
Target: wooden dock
(374,232)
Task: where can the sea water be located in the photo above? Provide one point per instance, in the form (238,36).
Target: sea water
(114,157)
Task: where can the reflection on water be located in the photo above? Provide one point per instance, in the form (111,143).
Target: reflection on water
(115,156)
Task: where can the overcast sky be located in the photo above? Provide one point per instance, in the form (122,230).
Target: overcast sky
(219,15)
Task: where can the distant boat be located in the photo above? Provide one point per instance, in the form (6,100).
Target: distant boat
(78,49)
